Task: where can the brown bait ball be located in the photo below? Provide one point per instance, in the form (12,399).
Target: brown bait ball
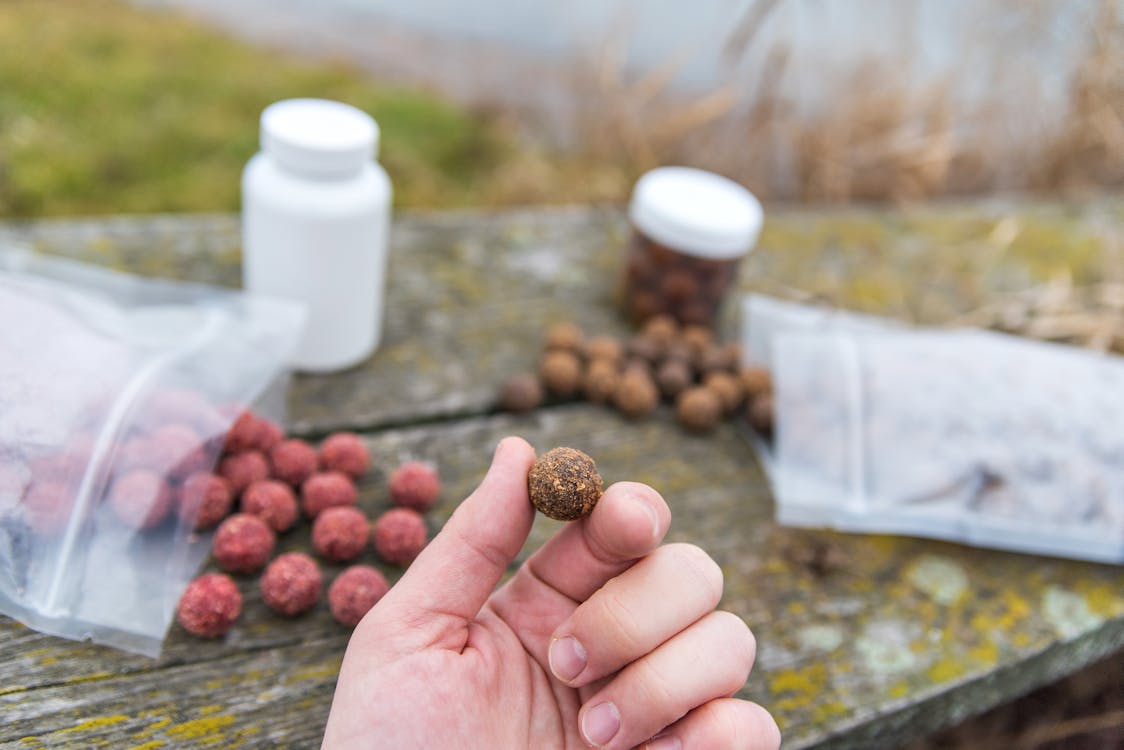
(561,372)
(662,328)
(698,339)
(564,484)
(605,348)
(636,395)
(698,409)
(714,359)
(600,382)
(761,414)
(645,347)
(727,387)
(635,364)
(673,377)
(565,336)
(521,393)
(681,351)
(755,381)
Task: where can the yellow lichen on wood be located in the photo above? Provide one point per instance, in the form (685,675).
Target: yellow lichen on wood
(946,669)
(806,684)
(315,672)
(97,723)
(207,726)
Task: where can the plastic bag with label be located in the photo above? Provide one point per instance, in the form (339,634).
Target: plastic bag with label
(964,435)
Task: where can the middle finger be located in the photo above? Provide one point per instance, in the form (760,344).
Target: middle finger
(634,613)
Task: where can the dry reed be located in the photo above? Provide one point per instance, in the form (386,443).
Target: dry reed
(880,137)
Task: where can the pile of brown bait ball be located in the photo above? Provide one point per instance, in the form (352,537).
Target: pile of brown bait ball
(703,380)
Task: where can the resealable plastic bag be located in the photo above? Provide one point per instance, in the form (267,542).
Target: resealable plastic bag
(114,389)
(965,435)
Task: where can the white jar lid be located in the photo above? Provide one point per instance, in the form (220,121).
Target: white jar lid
(696,212)
(318,136)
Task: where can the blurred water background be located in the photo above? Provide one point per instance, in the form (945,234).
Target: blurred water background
(813,99)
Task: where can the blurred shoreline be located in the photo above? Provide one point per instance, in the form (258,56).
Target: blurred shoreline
(801,100)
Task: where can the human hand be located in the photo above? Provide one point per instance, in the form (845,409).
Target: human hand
(602,638)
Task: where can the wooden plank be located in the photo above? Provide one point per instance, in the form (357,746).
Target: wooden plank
(863,640)
(470,294)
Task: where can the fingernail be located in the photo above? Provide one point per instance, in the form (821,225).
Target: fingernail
(499,449)
(600,724)
(567,658)
(652,516)
(664,742)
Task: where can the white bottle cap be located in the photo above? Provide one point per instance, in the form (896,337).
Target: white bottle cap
(696,212)
(318,136)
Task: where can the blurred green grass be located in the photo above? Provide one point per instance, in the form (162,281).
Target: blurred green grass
(106,108)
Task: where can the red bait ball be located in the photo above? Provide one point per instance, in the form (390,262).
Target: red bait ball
(354,592)
(141,498)
(178,450)
(243,543)
(243,435)
(327,490)
(243,469)
(273,502)
(203,500)
(399,535)
(339,534)
(293,461)
(184,406)
(291,584)
(209,606)
(269,434)
(47,505)
(415,485)
(346,452)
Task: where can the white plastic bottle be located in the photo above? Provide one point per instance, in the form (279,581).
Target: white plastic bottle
(315,222)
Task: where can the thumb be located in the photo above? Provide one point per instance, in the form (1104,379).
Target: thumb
(447,584)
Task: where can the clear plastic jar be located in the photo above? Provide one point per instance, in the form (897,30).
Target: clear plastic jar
(691,229)
(315,224)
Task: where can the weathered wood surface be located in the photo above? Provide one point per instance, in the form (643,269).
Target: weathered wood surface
(864,641)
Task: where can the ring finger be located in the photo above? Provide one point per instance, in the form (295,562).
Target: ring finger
(709,660)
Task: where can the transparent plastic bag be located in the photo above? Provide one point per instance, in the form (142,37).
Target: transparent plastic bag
(114,389)
(965,435)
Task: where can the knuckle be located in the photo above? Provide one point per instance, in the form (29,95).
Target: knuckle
(736,633)
(728,634)
(766,735)
(695,563)
(654,687)
(615,622)
(739,724)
